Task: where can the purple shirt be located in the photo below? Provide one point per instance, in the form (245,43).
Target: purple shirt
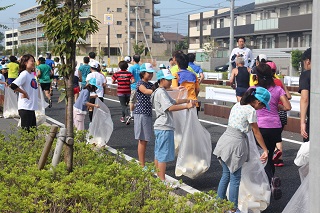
(271,119)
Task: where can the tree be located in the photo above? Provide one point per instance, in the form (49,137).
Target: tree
(64,31)
(296,57)
(182,45)
(210,48)
(4,8)
(138,49)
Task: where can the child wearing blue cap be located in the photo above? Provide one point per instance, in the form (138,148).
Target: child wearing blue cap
(81,104)
(163,125)
(232,148)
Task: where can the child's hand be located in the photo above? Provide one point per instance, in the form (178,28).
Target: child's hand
(264,156)
(191,104)
(97,106)
(25,95)
(181,88)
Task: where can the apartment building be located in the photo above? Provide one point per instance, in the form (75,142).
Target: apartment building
(141,31)
(11,39)
(30,30)
(274,27)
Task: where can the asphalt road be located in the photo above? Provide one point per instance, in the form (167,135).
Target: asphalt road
(122,139)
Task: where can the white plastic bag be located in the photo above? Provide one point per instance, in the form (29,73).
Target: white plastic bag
(10,106)
(254,190)
(302,157)
(299,202)
(179,117)
(195,150)
(42,105)
(101,126)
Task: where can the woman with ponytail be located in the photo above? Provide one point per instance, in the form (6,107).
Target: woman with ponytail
(232,148)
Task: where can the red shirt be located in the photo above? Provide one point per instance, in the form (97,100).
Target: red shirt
(123,79)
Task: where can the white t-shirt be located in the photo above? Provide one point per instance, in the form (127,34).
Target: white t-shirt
(101,79)
(246,54)
(241,116)
(28,83)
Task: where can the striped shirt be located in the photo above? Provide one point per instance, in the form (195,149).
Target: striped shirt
(123,79)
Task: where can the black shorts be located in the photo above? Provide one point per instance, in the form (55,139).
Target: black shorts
(45,86)
(240,91)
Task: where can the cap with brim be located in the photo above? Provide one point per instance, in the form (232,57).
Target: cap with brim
(263,95)
(147,67)
(165,74)
(263,56)
(4,67)
(94,64)
(93,82)
(127,59)
(162,66)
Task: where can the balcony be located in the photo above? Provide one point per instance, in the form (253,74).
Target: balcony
(29,27)
(156,13)
(31,36)
(266,24)
(264,1)
(137,3)
(156,1)
(156,24)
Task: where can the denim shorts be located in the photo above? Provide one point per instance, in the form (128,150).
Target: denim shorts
(164,145)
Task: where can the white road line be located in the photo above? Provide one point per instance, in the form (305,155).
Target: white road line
(223,125)
(55,121)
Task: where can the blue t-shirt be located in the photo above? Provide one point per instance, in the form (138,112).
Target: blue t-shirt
(85,70)
(195,68)
(83,98)
(143,104)
(135,70)
(50,62)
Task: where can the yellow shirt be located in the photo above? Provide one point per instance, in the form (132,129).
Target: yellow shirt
(13,70)
(175,69)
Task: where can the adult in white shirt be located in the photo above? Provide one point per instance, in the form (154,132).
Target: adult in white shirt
(92,56)
(101,82)
(27,87)
(242,51)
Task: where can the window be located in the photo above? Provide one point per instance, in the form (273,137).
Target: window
(108,9)
(248,19)
(221,23)
(147,36)
(295,10)
(132,23)
(147,10)
(147,23)
(269,42)
(132,36)
(119,10)
(282,43)
(283,12)
(119,22)
(119,35)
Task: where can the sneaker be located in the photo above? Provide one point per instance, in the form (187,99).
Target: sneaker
(50,103)
(275,188)
(279,163)
(122,120)
(276,155)
(128,120)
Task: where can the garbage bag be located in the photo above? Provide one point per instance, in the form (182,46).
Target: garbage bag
(195,150)
(254,190)
(299,203)
(302,157)
(179,117)
(10,106)
(42,105)
(101,126)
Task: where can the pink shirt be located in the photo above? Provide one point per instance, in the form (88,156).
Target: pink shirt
(271,119)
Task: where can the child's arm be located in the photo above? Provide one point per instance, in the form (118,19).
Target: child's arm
(92,105)
(178,107)
(260,140)
(144,90)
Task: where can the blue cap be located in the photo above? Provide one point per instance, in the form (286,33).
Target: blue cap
(93,82)
(147,67)
(165,74)
(263,95)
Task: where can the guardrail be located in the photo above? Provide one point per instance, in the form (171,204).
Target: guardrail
(212,75)
(229,95)
(290,80)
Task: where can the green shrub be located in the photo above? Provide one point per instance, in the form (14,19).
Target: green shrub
(225,75)
(296,58)
(100,182)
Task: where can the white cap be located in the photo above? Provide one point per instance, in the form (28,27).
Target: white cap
(263,56)
(162,66)
(127,59)
(94,64)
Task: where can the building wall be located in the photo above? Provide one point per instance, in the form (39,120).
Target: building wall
(10,39)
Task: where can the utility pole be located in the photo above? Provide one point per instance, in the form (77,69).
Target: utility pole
(177,33)
(128,17)
(231,31)
(136,9)
(36,11)
(314,169)
(12,19)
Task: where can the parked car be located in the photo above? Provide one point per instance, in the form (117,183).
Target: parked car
(222,68)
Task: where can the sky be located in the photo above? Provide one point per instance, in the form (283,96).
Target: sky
(174,13)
